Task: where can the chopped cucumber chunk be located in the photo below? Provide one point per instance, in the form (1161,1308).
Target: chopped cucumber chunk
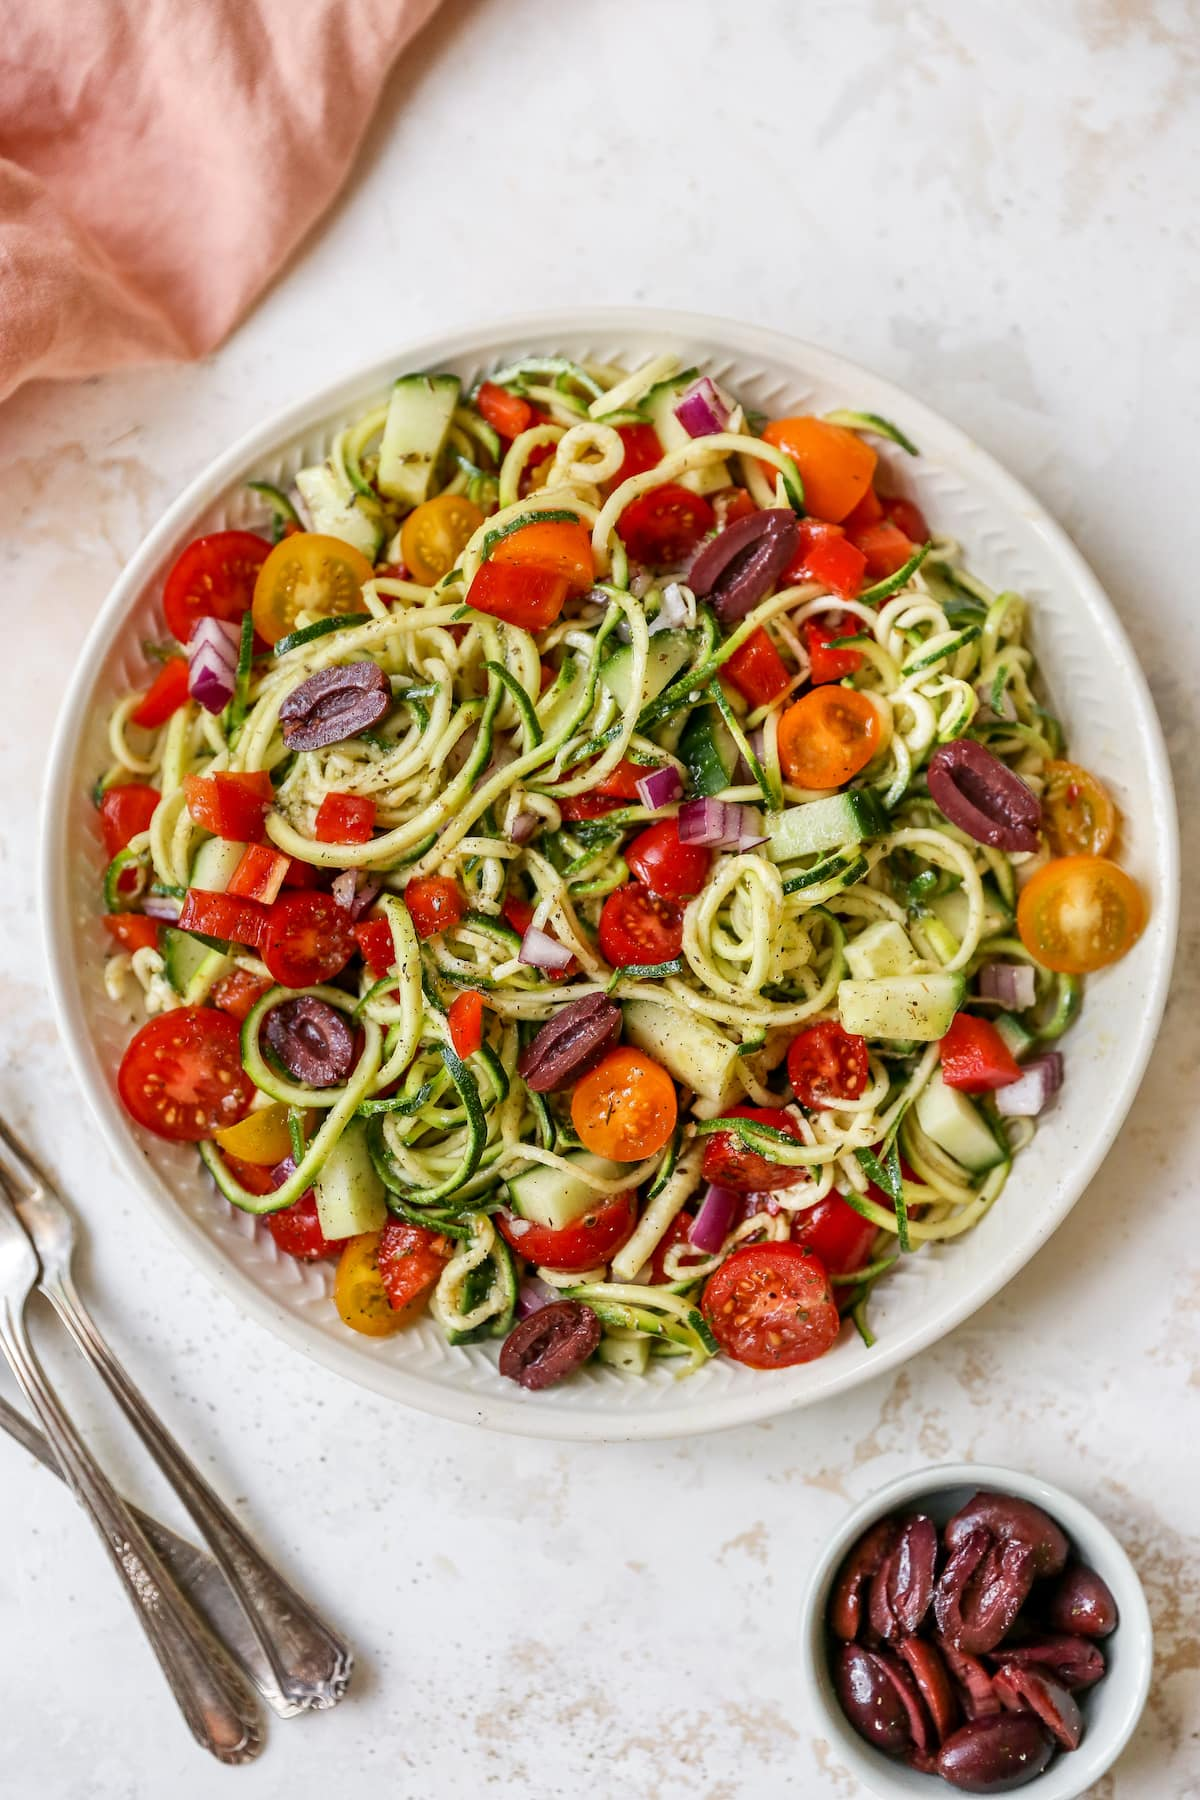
(957,1127)
(689,1048)
(191,966)
(419,414)
(340,513)
(911,1007)
(882,949)
(821,825)
(670,652)
(546,1196)
(350,1195)
(214,863)
(708,751)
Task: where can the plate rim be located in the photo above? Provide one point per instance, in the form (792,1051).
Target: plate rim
(461,1405)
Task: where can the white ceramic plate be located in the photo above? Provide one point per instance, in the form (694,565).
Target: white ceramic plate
(1098,689)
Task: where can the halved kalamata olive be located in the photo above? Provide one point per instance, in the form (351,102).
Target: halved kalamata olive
(550,1344)
(1007,1517)
(979,1698)
(965,1558)
(334,704)
(982,797)
(846,1605)
(871,1700)
(1074,1661)
(568,1044)
(881,1614)
(910,1699)
(741,565)
(911,1571)
(994,1596)
(1082,1602)
(991,1756)
(311,1039)
(932,1683)
(1031,1689)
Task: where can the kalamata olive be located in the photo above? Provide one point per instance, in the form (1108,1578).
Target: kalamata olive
(334,704)
(983,797)
(568,1044)
(990,1756)
(846,1605)
(911,1571)
(881,1614)
(311,1039)
(1035,1690)
(1007,1517)
(979,1698)
(1075,1661)
(741,565)
(901,1679)
(928,1671)
(871,1700)
(550,1344)
(995,1595)
(965,1558)
(1082,1602)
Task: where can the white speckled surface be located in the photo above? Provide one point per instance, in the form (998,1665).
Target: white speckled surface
(996,207)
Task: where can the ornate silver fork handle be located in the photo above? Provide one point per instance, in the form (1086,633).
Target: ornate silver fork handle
(311,1664)
(213,1696)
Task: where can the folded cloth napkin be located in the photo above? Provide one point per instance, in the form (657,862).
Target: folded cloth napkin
(160,159)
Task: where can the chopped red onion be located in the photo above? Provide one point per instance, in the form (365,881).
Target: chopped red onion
(659,788)
(1040,1081)
(540,951)
(366,893)
(678,609)
(162,906)
(711,1224)
(523,827)
(532,1294)
(1012,984)
(750,834)
(720,824)
(704,409)
(343,889)
(212,653)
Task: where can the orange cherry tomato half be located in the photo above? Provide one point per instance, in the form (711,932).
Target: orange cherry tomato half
(358,1291)
(625,1108)
(307,573)
(771,1306)
(435,534)
(827,736)
(554,546)
(1080,913)
(835,465)
(1078,815)
(182,1077)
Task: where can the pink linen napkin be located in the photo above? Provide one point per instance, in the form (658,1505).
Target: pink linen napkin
(160,160)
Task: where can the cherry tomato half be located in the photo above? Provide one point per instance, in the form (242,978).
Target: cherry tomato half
(308,938)
(1080,913)
(664,526)
(358,1291)
(643,451)
(975,1057)
(307,573)
(625,1108)
(1077,813)
(410,1260)
(827,736)
(835,465)
(832,1230)
(729,1163)
(297,1230)
(435,534)
(671,870)
(213,579)
(770,1306)
(124,812)
(586,1243)
(182,1077)
(635,927)
(827,1064)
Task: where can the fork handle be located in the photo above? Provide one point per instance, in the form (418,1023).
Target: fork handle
(213,1697)
(311,1664)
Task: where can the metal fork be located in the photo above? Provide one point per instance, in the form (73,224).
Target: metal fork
(310,1664)
(213,1696)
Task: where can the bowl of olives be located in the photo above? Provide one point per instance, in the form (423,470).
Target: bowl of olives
(975,1630)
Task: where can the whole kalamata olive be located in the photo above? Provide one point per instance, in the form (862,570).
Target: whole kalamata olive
(983,797)
(741,565)
(1081,1602)
(1007,1517)
(311,1039)
(568,1044)
(928,1671)
(979,1697)
(911,1571)
(334,704)
(1031,1689)
(1075,1661)
(991,1756)
(550,1344)
(871,1700)
(846,1604)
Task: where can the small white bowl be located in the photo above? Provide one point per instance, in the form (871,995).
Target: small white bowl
(1111,1709)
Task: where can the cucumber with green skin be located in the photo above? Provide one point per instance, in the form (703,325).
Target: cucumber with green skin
(668,654)
(824,825)
(708,752)
(546,1196)
(348,1191)
(419,413)
(336,513)
(192,966)
(214,863)
(658,406)
(882,949)
(689,1048)
(949,1119)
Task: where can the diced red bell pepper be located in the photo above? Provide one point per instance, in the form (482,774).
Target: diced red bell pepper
(224,916)
(239,992)
(259,875)
(133,931)
(975,1057)
(617,789)
(126,810)
(435,903)
(885,548)
(165,695)
(826,555)
(302,874)
(827,664)
(757,670)
(230,805)
(465,1020)
(506,413)
(528,597)
(731,504)
(378,948)
(345,819)
(868,512)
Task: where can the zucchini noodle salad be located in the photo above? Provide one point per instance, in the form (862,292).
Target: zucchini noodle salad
(595,863)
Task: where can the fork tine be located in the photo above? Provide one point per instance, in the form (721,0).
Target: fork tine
(19,1162)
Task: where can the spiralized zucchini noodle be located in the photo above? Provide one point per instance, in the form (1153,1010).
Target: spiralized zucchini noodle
(492,732)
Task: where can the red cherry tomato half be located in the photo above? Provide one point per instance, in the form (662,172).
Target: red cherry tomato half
(637,927)
(664,526)
(826,1064)
(729,1163)
(297,1230)
(670,869)
(410,1260)
(308,938)
(213,579)
(585,1244)
(975,1057)
(770,1306)
(642,451)
(124,811)
(837,1234)
(506,413)
(182,1077)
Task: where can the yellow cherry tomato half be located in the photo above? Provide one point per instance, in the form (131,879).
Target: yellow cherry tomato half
(307,573)
(1077,813)
(827,736)
(358,1290)
(435,534)
(1080,913)
(261,1137)
(625,1108)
